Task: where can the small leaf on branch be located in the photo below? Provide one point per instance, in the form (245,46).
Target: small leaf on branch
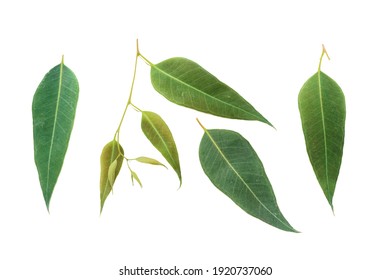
(110,164)
(149,160)
(159,134)
(135,176)
(112,172)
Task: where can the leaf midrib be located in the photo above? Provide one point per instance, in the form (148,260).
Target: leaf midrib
(54,125)
(243,181)
(202,92)
(324,131)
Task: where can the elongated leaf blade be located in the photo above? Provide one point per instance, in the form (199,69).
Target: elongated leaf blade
(159,134)
(186,83)
(112,172)
(148,160)
(234,168)
(135,176)
(323,112)
(110,165)
(53,110)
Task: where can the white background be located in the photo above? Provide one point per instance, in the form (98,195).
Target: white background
(263,49)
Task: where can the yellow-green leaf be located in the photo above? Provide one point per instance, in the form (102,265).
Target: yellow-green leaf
(112,152)
(149,160)
(135,176)
(159,134)
(112,172)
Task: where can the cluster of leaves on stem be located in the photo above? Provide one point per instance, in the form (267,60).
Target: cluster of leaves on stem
(226,157)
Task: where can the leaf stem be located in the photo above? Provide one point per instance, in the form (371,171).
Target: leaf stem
(135,72)
(129,103)
(136,108)
(201,124)
(130,96)
(146,60)
(322,55)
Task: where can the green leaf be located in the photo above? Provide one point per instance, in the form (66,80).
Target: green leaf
(186,83)
(322,109)
(112,172)
(148,160)
(53,110)
(158,133)
(234,168)
(110,164)
(135,176)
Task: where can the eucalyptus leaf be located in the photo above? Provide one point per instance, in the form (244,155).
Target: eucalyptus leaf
(53,110)
(234,168)
(186,83)
(323,111)
(135,176)
(149,160)
(159,134)
(112,172)
(110,164)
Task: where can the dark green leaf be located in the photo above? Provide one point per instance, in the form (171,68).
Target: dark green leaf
(186,83)
(110,165)
(53,110)
(158,133)
(234,168)
(322,108)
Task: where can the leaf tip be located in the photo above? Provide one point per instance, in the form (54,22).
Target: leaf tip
(329,198)
(294,230)
(101,207)
(47,202)
(289,228)
(181,183)
(264,120)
